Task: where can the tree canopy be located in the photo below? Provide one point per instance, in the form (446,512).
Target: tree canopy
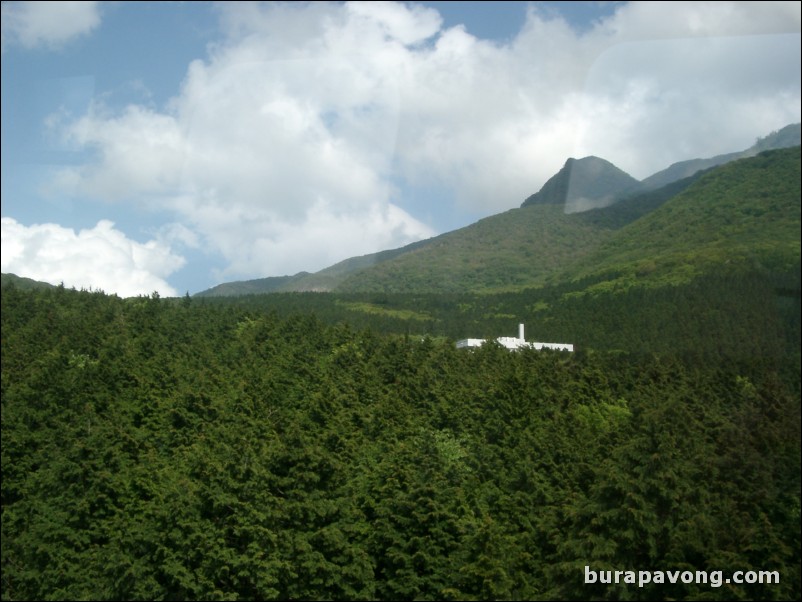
(178,449)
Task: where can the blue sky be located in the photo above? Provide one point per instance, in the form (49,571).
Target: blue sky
(173,146)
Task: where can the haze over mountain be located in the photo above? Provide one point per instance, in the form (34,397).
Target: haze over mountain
(546,239)
(790,135)
(591,182)
(584,184)
(522,247)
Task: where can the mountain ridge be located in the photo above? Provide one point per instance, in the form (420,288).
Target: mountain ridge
(790,135)
(350,274)
(754,203)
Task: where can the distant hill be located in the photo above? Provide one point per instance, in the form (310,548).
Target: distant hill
(22,283)
(790,135)
(518,248)
(590,183)
(748,208)
(521,247)
(324,280)
(274,284)
(584,184)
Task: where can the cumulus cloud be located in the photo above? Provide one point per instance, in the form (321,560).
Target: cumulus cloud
(47,24)
(101,258)
(291,145)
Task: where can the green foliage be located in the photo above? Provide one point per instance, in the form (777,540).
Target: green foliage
(155,449)
(746,213)
(729,313)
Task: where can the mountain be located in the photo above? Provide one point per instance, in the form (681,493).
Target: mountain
(745,209)
(790,135)
(592,182)
(518,248)
(522,247)
(584,184)
(744,215)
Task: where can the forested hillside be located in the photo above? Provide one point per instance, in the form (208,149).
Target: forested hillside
(22,283)
(719,316)
(746,213)
(518,249)
(179,449)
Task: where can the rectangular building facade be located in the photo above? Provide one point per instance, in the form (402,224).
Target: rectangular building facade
(513,343)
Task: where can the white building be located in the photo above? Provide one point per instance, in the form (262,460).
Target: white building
(513,343)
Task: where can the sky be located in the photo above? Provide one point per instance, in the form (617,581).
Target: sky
(172,146)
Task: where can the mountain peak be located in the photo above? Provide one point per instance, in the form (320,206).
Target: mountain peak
(583,184)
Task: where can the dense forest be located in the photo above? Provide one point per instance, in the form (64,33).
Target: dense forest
(339,447)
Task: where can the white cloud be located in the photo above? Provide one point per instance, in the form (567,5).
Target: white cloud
(323,234)
(655,20)
(98,258)
(47,24)
(288,148)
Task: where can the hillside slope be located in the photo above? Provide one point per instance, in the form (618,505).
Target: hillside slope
(520,247)
(325,280)
(517,248)
(22,283)
(745,213)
